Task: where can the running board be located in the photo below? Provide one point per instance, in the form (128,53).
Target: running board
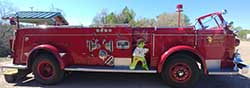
(108,70)
(223,73)
(14,66)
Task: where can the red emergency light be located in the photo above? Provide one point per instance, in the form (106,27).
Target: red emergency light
(179,8)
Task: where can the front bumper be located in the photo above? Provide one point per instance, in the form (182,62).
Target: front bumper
(14,66)
(243,68)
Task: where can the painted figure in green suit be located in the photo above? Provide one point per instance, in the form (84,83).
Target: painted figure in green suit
(139,55)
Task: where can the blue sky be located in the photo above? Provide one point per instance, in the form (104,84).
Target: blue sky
(83,11)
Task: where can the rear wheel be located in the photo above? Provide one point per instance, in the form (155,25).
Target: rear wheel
(180,71)
(46,69)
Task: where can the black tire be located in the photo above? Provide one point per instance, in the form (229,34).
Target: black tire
(180,71)
(10,78)
(40,70)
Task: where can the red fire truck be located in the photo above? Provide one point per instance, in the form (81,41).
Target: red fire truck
(179,54)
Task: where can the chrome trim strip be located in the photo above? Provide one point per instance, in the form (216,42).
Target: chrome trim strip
(14,66)
(196,39)
(153,51)
(190,35)
(62,54)
(73,34)
(223,73)
(22,49)
(174,27)
(174,35)
(122,34)
(110,70)
(213,64)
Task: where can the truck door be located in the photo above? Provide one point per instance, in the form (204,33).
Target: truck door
(211,38)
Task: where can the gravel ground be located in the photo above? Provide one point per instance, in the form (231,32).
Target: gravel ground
(120,80)
(245,55)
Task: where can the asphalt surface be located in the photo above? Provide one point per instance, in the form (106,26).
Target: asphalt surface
(123,80)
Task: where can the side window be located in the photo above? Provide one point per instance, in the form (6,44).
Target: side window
(122,44)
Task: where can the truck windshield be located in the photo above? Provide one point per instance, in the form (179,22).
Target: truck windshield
(209,23)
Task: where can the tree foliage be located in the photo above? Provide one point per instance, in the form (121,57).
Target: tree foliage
(100,18)
(144,22)
(242,32)
(171,20)
(111,18)
(127,16)
(6,8)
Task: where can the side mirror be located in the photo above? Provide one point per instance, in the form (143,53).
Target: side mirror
(230,24)
(224,11)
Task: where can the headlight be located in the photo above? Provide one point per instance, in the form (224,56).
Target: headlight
(237,42)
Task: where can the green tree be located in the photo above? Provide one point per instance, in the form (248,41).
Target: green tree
(171,20)
(127,15)
(111,18)
(243,34)
(237,28)
(144,22)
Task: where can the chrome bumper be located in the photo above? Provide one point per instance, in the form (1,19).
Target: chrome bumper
(14,66)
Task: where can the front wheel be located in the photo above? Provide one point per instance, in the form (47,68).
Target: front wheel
(180,71)
(46,69)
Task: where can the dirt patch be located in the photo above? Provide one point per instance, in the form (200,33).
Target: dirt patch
(3,61)
(245,54)
(244,51)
